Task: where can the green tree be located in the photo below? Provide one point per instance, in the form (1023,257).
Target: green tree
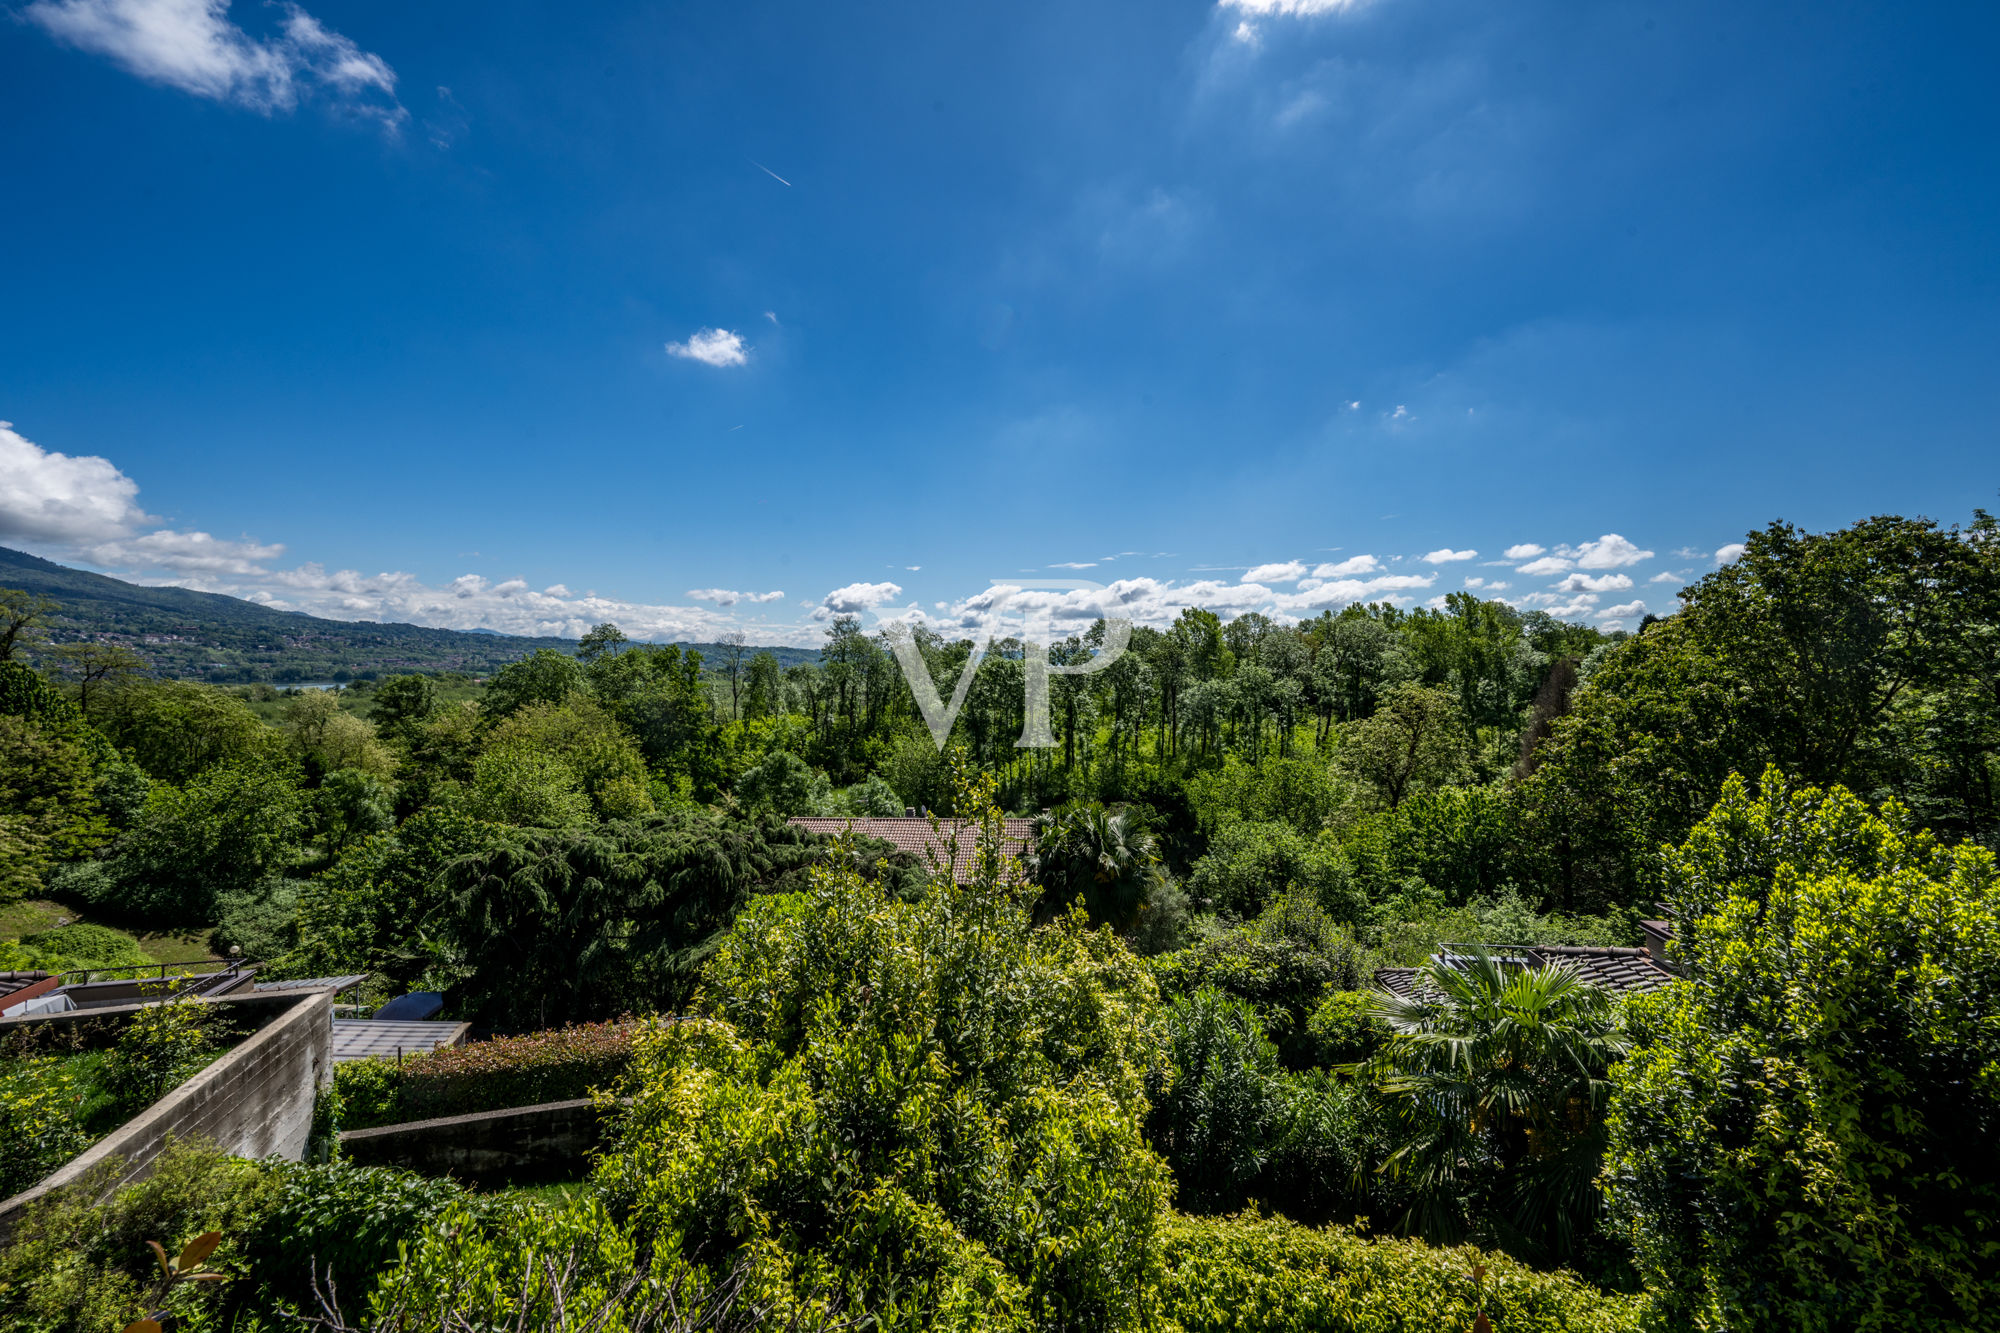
(1249,865)
(1105,859)
(930,1104)
(222,831)
(403,703)
(94,665)
(545,676)
(176,729)
(1496,1077)
(1415,740)
(1803,1136)
(23,618)
(548,927)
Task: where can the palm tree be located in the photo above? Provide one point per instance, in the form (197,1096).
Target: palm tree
(1495,1075)
(1106,857)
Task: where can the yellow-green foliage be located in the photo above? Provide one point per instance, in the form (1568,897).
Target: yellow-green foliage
(931,1104)
(38,1120)
(1803,1136)
(1267,1274)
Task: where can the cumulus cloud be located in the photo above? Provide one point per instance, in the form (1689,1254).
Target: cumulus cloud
(1594,583)
(712,347)
(1610,551)
(1349,568)
(1665,576)
(1287,571)
(730,597)
(856,598)
(186,553)
(1525,551)
(1725,555)
(1622,611)
(1446,555)
(53,498)
(1548,564)
(191,45)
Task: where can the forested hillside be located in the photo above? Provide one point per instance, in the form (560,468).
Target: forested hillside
(1145,1075)
(180,633)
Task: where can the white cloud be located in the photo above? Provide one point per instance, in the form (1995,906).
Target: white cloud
(1075,564)
(1298,7)
(856,598)
(1729,554)
(185,552)
(1446,555)
(1594,583)
(1622,611)
(1525,551)
(192,45)
(1548,564)
(1666,577)
(712,347)
(1348,568)
(1498,585)
(1287,571)
(53,498)
(730,597)
(1246,33)
(1610,551)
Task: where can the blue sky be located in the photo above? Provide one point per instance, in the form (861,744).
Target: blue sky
(372,309)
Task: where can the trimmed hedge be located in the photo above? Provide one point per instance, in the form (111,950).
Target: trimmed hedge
(1228,1273)
(553,1066)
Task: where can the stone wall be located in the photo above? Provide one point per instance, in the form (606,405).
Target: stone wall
(255,1101)
(521,1145)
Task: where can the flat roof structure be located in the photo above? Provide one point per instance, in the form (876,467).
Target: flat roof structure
(1613,968)
(914,834)
(372,1038)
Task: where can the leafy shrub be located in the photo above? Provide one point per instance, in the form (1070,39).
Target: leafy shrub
(1345,1030)
(159,1047)
(1284,965)
(226,829)
(931,1103)
(364,1094)
(1250,864)
(262,921)
(1804,1136)
(75,1265)
(39,1130)
(557,926)
(552,1066)
(346,1220)
(1268,1274)
(1214,1101)
(85,945)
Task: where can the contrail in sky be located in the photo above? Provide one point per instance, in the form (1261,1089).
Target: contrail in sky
(768,172)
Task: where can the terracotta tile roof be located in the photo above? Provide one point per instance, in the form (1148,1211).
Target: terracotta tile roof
(1615,969)
(914,834)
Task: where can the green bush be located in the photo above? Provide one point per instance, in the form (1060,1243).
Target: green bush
(931,1104)
(1285,964)
(1214,1100)
(1250,864)
(84,945)
(1804,1136)
(553,1066)
(77,1265)
(39,1128)
(1344,1029)
(1249,1272)
(159,1047)
(342,1220)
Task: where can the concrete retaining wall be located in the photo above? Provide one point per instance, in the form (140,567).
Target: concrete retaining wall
(521,1145)
(255,1101)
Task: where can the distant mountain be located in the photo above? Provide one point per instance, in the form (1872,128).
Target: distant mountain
(208,636)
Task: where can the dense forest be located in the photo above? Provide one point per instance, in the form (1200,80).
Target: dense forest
(1142,1073)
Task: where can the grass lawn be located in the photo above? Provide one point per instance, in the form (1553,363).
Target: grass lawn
(32,916)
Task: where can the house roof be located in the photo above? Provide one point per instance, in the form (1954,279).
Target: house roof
(11,982)
(340,983)
(914,834)
(368,1038)
(1615,969)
